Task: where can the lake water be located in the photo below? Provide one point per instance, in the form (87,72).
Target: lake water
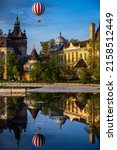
(59,121)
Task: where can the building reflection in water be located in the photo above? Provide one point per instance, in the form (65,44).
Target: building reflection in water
(13,116)
(83,108)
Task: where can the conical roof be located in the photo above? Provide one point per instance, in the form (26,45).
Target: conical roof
(34,112)
(34,55)
(81,105)
(81,63)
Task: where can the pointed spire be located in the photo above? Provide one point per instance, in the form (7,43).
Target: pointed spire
(34,55)
(9,30)
(17,20)
(60,34)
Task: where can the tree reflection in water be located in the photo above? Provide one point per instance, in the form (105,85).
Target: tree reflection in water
(80,107)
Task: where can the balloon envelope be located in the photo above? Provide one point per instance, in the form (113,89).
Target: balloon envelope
(38,8)
(38,140)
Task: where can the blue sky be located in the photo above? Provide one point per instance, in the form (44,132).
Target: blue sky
(71,17)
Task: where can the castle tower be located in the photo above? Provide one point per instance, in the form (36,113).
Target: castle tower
(92,31)
(97,34)
(18,40)
(91,135)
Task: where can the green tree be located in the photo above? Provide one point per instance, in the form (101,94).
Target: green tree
(47,46)
(84,75)
(94,60)
(66,72)
(35,72)
(51,70)
(14,66)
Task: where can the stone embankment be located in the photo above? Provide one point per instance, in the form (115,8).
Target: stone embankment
(13,92)
(48,88)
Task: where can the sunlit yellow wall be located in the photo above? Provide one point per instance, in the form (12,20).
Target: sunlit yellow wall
(74,53)
(3,51)
(3,113)
(74,112)
(90,49)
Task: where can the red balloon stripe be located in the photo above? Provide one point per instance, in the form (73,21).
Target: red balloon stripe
(38,140)
(38,8)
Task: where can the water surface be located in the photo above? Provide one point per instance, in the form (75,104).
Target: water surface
(64,121)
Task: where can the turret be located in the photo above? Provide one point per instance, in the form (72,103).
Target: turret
(92,31)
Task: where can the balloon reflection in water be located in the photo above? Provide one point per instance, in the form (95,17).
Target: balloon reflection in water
(38,140)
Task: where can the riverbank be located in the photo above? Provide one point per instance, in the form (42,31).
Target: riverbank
(39,85)
(63,88)
(12,92)
(48,88)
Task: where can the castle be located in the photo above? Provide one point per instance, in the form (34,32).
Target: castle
(73,53)
(15,41)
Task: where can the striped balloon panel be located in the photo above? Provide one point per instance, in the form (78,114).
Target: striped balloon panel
(38,140)
(38,8)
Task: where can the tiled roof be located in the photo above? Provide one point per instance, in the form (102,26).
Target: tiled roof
(34,55)
(79,43)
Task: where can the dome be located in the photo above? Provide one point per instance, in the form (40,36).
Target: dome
(60,120)
(60,40)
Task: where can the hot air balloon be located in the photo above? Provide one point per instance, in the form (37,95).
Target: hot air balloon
(38,8)
(38,140)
